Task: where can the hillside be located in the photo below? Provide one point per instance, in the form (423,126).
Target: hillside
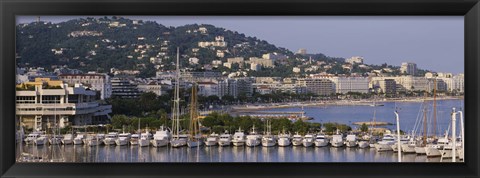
(99,44)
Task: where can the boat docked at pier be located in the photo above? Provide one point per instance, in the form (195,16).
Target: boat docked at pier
(161,137)
(178,139)
(110,138)
(386,143)
(212,139)
(225,139)
(284,139)
(268,140)
(239,138)
(308,140)
(321,140)
(297,139)
(253,139)
(145,139)
(30,140)
(337,140)
(123,139)
(67,139)
(351,140)
(80,139)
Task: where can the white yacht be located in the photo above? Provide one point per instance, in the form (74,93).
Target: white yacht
(433,149)
(144,139)
(409,147)
(134,139)
(161,137)
(67,139)
(123,139)
(239,138)
(179,141)
(41,140)
(79,139)
(321,140)
(446,152)
(284,139)
(363,144)
(351,140)
(30,140)
(254,139)
(403,140)
(308,140)
(337,141)
(110,138)
(268,139)
(212,139)
(93,140)
(55,140)
(225,139)
(297,140)
(386,143)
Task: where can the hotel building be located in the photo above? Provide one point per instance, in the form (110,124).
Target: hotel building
(42,102)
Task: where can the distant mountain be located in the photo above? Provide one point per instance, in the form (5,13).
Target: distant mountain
(99,44)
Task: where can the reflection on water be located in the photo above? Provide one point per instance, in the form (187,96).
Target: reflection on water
(80,153)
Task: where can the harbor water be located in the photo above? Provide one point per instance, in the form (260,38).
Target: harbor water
(408,111)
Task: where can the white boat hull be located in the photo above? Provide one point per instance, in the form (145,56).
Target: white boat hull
(307,143)
(121,142)
(109,142)
(432,152)
(143,143)
(321,143)
(297,142)
(211,143)
(363,144)
(253,142)
(238,142)
(448,153)
(420,150)
(78,141)
(408,148)
(383,147)
(268,143)
(284,142)
(93,142)
(67,141)
(159,143)
(178,143)
(351,143)
(337,144)
(224,143)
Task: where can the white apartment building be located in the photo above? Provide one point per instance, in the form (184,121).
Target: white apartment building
(407,83)
(344,85)
(355,60)
(318,86)
(261,61)
(39,104)
(96,81)
(408,68)
(152,87)
(233,60)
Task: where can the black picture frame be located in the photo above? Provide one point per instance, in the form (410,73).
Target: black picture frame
(470,9)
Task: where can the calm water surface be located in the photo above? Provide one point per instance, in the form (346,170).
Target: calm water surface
(409,112)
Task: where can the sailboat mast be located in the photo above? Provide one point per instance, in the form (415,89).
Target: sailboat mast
(425,122)
(193,112)
(434,108)
(176,100)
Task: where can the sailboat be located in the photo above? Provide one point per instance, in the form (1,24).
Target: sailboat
(268,139)
(195,137)
(254,139)
(177,139)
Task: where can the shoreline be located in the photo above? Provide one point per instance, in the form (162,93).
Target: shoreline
(246,108)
